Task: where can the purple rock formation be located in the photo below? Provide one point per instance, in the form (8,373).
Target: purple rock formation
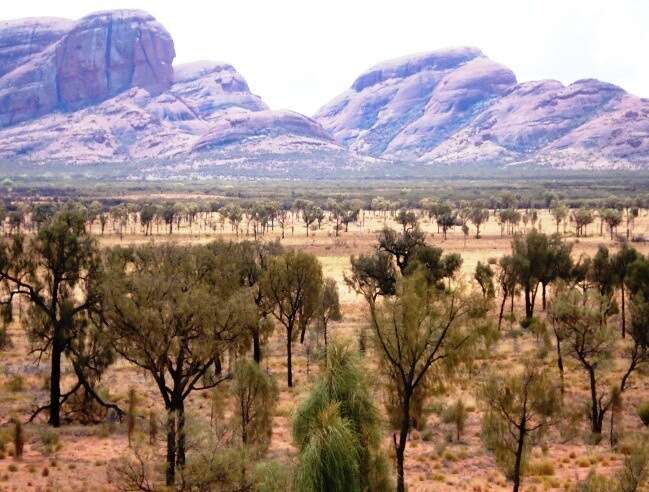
(20,40)
(104,89)
(99,57)
(403,106)
(458,106)
(243,127)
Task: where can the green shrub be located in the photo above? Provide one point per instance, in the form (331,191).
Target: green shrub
(456,414)
(15,384)
(596,483)
(427,435)
(49,439)
(542,468)
(643,412)
(273,476)
(5,438)
(19,439)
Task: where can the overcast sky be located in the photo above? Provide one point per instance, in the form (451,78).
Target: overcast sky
(298,54)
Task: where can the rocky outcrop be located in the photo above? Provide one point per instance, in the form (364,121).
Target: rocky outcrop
(457,106)
(103,89)
(20,40)
(403,106)
(211,88)
(246,127)
(98,57)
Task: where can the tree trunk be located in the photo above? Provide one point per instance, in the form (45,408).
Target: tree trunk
(543,295)
(502,309)
(180,459)
(218,367)
(400,447)
(596,417)
(623,312)
(256,347)
(289,358)
(529,311)
(171,447)
(560,365)
(519,456)
(55,378)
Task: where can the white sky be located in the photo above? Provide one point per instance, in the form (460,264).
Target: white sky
(300,54)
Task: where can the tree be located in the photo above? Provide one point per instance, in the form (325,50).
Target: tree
(146,218)
(372,275)
(582,218)
(292,286)
(556,264)
(338,430)
(420,328)
(622,262)
(591,341)
(168,215)
(41,214)
(250,260)
(478,216)
(172,311)
(436,265)
(328,307)
(349,213)
(234,214)
(603,276)
(613,219)
(282,217)
(518,408)
(119,215)
(559,212)
(57,273)
(255,395)
(507,280)
(484,276)
(310,213)
(407,219)
(447,221)
(403,246)
(529,254)
(328,460)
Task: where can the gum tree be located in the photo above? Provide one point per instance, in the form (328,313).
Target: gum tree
(291,286)
(421,330)
(172,311)
(56,272)
(519,407)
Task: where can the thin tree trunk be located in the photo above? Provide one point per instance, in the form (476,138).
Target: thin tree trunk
(289,358)
(256,347)
(519,456)
(560,365)
(502,309)
(55,380)
(400,447)
(171,447)
(529,312)
(595,416)
(180,459)
(623,311)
